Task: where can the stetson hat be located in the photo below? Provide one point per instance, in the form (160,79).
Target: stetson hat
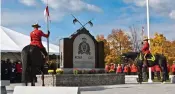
(36,25)
(145,39)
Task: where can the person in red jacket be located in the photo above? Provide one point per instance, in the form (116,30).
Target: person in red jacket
(107,68)
(173,68)
(18,71)
(158,70)
(112,67)
(134,69)
(126,69)
(145,50)
(36,36)
(119,68)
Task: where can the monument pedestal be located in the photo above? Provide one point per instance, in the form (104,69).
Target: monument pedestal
(3,84)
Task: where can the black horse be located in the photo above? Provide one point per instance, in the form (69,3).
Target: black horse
(32,63)
(138,57)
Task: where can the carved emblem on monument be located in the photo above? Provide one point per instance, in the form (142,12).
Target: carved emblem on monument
(84,47)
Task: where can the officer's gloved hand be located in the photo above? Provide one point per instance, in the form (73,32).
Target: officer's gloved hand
(48,32)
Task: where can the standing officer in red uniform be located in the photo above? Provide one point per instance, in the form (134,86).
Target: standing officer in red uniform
(173,68)
(145,50)
(36,36)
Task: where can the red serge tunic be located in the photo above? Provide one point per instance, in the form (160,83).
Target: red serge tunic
(173,68)
(145,48)
(36,38)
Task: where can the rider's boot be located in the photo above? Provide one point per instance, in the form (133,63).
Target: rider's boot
(145,63)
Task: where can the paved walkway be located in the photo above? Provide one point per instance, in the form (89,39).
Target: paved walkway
(145,88)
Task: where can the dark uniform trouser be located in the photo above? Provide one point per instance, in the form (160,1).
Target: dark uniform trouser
(173,73)
(43,50)
(146,57)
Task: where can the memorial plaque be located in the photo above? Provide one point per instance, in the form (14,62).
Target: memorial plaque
(83,52)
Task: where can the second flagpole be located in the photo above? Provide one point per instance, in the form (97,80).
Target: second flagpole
(49,35)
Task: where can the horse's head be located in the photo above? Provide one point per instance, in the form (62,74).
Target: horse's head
(124,58)
(129,55)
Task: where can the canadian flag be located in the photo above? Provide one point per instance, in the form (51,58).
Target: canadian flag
(46,13)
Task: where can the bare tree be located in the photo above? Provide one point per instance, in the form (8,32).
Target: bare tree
(136,38)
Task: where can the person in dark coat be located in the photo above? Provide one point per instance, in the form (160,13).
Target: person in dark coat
(3,70)
(7,69)
(13,72)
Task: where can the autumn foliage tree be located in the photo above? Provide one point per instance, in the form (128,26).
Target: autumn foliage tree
(159,44)
(106,44)
(118,42)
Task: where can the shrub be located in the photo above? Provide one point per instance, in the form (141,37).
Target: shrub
(59,71)
(75,71)
(50,71)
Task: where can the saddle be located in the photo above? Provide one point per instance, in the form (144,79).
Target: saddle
(148,57)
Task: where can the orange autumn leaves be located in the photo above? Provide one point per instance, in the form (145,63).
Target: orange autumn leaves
(118,42)
(159,44)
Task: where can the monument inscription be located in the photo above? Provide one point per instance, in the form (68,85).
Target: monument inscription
(83,52)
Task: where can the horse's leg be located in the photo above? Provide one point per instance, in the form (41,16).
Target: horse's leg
(163,73)
(26,79)
(32,79)
(140,73)
(42,78)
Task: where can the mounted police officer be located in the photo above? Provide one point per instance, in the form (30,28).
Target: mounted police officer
(145,50)
(36,36)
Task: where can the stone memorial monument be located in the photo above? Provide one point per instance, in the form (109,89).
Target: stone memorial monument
(81,50)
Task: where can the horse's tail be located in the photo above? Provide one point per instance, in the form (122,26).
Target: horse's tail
(25,57)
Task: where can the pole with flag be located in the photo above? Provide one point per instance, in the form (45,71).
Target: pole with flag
(46,14)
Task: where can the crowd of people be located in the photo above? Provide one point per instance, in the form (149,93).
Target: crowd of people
(12,70)
(131,69)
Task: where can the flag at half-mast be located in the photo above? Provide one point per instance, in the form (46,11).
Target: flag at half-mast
(46,13)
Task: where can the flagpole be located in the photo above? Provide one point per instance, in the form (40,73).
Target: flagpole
(87,23)
(48,32)
(147,10)
(77,20)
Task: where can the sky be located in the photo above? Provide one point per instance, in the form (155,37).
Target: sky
(19,15)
